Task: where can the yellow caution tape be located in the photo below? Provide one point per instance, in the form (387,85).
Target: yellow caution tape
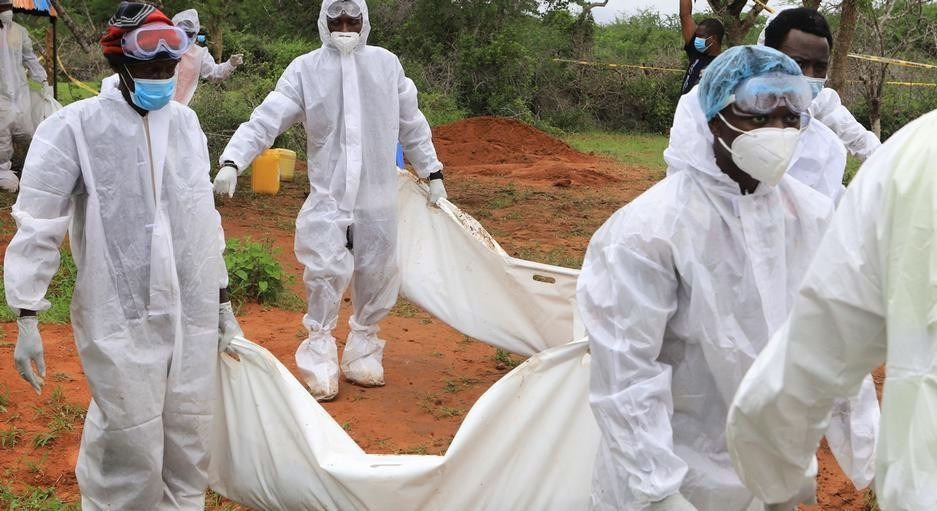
(896,62)
(627,66)
(913,84)
(76,81)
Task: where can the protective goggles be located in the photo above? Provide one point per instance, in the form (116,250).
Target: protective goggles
(346,7)
(145,43)
(764,93)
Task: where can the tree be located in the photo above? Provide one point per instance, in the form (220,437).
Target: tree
(889,29)
(848,18)
(737,25)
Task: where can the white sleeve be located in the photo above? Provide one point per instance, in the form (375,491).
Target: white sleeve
(416,137)
(43,211)
(853,433)
(829,109)
(833,339)
(36,72)
(627,293)
(214,72)
(281,109)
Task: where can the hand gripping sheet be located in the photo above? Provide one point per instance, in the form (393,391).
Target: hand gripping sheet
(528,443)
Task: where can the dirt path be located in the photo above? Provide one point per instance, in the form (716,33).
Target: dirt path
(539,198)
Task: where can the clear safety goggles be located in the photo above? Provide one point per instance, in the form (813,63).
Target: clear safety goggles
(762,94)
(147,42)
(346,7)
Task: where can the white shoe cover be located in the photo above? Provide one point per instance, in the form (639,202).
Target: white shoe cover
(361,361)
(8,181)
(317,358)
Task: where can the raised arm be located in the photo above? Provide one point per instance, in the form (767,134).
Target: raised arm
(281,109)
(213,72)
(627,292)
(687,23)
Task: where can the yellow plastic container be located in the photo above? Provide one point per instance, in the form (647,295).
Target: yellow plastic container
(287,164)
(265,173)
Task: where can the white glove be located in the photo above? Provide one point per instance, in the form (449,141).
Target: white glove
(807,494)
(28,350)
(674,502)
(47,92)
(9,181)
(226,181)
(437,191)
(228,327)
(236,60)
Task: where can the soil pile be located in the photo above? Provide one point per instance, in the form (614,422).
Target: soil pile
(506,148)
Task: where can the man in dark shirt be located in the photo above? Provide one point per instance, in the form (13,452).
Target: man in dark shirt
(703,42)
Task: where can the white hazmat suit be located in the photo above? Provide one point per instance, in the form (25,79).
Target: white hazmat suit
(16,52)
(134,195)
(680,291)
(354,109)
(819,162)
(197,62)
(868,298)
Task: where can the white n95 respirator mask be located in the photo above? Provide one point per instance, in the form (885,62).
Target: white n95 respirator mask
(345,42)
(763,153)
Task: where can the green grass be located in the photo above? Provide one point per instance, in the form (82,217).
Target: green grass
(32,499)
(70,93)
(631,149)
(852,166)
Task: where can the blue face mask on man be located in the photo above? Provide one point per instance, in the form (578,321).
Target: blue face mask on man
(152,94)
(200,39)
(700,44)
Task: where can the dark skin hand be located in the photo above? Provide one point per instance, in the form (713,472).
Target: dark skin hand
(810,52)
(781,117)
(345,23)
(152,70)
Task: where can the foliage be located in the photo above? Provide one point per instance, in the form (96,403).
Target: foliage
(254,273)
(59,294)
(32,499)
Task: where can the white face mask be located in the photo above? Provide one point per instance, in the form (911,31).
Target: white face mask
(764,153)
(345,42)
(816,84)
(6,17)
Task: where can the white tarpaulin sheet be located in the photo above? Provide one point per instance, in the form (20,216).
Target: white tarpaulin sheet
(528,443)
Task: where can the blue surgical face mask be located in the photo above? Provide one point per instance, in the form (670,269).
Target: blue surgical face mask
(200,39)
(816,84)
(700,44)
(152,94)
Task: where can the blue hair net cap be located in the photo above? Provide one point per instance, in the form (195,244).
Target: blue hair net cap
(735,65)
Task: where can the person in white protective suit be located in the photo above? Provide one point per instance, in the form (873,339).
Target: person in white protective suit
(16,53)
(198,63)
(867,299)
(683,287)
(126,175)
(804,35)
(355,103)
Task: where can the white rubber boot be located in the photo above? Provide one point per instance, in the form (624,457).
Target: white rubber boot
(364,352)
(317,358)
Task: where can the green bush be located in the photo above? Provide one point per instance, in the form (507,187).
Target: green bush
(59,294)
(254,273)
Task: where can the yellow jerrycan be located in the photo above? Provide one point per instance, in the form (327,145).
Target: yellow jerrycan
(287,164)
(265,173)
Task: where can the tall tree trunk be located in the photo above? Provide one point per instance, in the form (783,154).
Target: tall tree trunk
(847,30)
(76,30)
(875,116)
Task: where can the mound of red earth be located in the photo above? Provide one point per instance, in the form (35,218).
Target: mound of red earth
(499,147)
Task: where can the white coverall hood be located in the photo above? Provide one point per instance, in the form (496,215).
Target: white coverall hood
(187,20)
(325,35)
(868,299)
(134,195)
(680,291)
